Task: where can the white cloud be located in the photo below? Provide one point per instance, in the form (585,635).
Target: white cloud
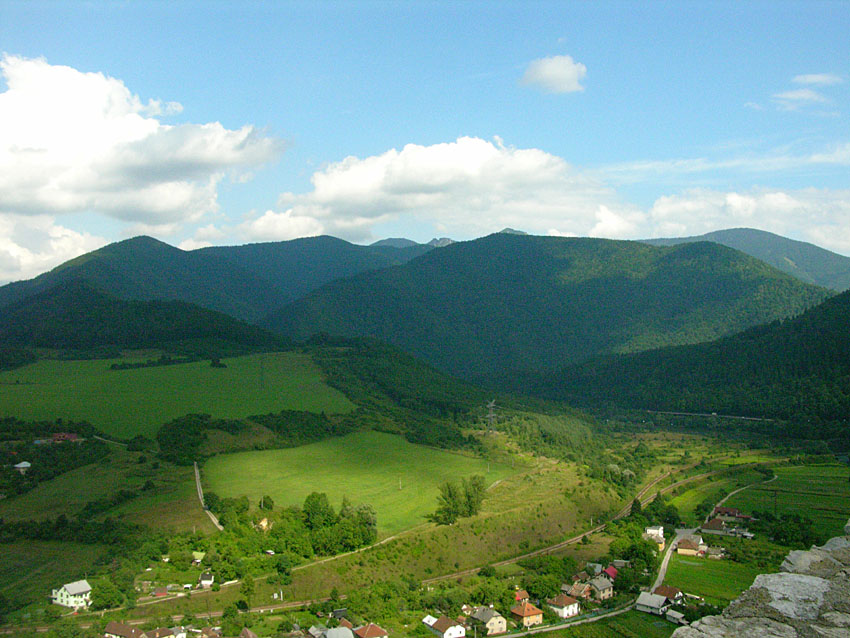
(794,99)
(82,142)
(471,186)
(555,74)
(819,216)
(818,79)
(30,245)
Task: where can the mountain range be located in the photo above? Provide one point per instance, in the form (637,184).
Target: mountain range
(485,308)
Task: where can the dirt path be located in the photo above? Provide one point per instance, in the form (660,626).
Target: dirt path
(201,499)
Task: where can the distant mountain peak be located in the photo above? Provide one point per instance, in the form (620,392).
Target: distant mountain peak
(395,242)
(440,242)
(512,231)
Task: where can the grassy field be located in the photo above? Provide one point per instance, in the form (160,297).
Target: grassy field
(714,489)
(719,581)
(821,492)
(173,503)
(399,479)
(129,402)
(30,569)
(632,624)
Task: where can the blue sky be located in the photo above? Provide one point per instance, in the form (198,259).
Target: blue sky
(224,122)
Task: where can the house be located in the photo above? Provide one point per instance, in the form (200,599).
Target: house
(370,631)
(159,592)
(527,614)
(715,552)
(692,545)
(651,603)
(672,594)
(59,437)
(563,606)
(197,557)
(445,627)
(339,632)
(340,613)
(621,564)
(594,569)
(610,572)
(467,610)
(491,619)
(162,632)
(120,630)
(731,514)
(206,580)
(581,591)
(22,467)
(655,535)
(345,622)
(317,631)
(76,595)
(676,617)
(581,576)
(521,596)
(603,589)
(714,526)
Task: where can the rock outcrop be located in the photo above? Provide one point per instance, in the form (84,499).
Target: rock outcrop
(809,598)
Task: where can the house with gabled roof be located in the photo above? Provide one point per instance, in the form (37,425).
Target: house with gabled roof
(120,630)
(692,545)
(445,627)
(714,526)
(527,614)
(370,631)
(603,588)
(672,594)
(521,596)
(581,591)
(491,620)
(76,595)
(611,572)
(564,606)
(651,603)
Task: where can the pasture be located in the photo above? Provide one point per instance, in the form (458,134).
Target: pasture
(712,489)
(125,403)
(629,624)
(719,581)
(821,492)
(399,479)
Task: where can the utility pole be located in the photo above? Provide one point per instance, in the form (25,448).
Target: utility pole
(491,415)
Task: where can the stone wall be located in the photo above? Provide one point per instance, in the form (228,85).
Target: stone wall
(809,598)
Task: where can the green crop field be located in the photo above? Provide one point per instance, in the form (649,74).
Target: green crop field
(719,581)
(129,402)
(399,479)
(821,492)
(30,569)
(714,489)
(631,624)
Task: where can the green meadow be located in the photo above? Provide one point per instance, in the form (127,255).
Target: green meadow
(399,479)
(821,492)
(719,581)
(125,403)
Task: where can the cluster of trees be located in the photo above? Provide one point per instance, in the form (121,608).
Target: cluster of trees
(792,530)
(459,500)
(315,528)
(180,439)
(47,461)
(163,360)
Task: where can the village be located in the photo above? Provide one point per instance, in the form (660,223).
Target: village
(586,597)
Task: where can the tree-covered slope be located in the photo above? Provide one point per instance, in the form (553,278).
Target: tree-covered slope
(793,369)
(242,281)
(78,317)
(805,261)
(484,308)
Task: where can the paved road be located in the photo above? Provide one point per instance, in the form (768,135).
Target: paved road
(662,571)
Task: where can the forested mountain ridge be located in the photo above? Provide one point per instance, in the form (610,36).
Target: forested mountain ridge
(807,262)
(793,369)
(242,281)
(76,316)
(485,308)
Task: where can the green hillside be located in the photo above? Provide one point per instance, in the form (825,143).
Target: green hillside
(485,308)
(805,261)
(242,281)
(798,369)
(75,316)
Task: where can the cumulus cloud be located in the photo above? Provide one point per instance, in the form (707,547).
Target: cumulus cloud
(820,216)
(83,142)
(471,186)
(555,74)
(32,244)
(818,79)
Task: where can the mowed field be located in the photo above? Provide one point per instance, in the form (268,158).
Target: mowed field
(719,581)
(125,403)
(821,492)
(399,479)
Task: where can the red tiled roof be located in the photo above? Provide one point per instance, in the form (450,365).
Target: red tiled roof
(611,571)
(562,600)
(370,631)
(525,609)
(521,595)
